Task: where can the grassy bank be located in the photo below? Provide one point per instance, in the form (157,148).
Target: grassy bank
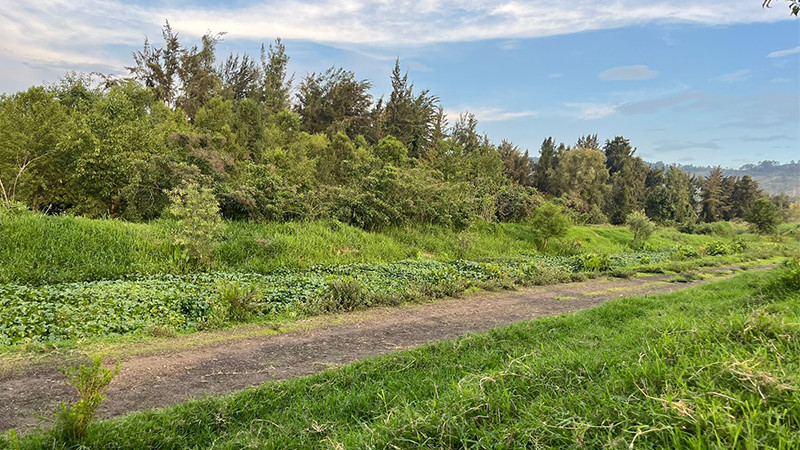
(37,249)
(713,366)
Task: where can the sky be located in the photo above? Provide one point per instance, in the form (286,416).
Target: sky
(690,82)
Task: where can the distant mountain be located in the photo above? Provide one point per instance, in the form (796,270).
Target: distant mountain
(772,177)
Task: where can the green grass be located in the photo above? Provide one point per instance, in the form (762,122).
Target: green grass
(717,366)
(37,249)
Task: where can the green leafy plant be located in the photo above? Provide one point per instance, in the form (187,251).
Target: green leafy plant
(717,248)
(199,223)
(239,302)
(340,294)
(764,216)
(641,227)
(72,421)
(550,222)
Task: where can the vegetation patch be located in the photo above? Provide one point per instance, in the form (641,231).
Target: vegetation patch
(686,369)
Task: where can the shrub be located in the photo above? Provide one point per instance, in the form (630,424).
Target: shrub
(13,209)
(641,227)
(764,216)
(199,223)
(688,227)
(591,262)
(72,421)
(683,252)
(238,302)
(717,248)
(550,222)
(340,294)
(789,277)
(514,203)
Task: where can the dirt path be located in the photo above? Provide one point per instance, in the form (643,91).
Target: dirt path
(172,377)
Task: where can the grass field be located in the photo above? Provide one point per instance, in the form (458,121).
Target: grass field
(38,249)
(717,366)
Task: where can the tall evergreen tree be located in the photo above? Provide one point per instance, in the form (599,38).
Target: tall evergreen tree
(713,203)
(199,78)
(157,68)
(240,77)
(334,102)
(680,188)
(276,84)
(410,117)
(465,133)
(544,171)
(589,141)
(745,192)
(582,174)
(617,152)
(627,190)
(517,165)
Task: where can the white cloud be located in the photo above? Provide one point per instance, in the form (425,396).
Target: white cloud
(782,53)
(733,77)
(490,114)
(64,33)
(637,72)
(591,111)
(512,44)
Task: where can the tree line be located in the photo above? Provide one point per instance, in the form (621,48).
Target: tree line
(243,134)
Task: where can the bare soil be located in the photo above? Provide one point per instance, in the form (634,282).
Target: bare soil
(167,378)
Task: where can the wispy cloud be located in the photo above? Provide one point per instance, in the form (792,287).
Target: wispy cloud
(511,44)
(733,77)
(782,53)
(773,138)
(591,111)
(671,146)
(83,32)
(637,72)
(490,114)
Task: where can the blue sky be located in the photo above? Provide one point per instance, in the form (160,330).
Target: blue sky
(712,82)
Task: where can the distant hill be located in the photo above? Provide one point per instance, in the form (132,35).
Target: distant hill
(772,177)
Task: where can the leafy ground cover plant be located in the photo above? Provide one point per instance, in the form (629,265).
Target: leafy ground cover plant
(211,300)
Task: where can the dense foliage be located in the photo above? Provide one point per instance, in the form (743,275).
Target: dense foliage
(269,149)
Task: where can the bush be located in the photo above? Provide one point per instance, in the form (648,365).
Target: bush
(340,294)
(72,421)
(683,252)
(514,203)
(723,229)
(717,248)
(550,222)
(641,227)
(199,223)
(591,262)
(790,276)
(688,227)
(764,216)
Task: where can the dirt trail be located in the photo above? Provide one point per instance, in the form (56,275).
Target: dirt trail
(172,377)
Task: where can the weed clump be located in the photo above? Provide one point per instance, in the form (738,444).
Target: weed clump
(72,421)
(340,294)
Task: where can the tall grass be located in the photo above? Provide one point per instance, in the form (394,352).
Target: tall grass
(716,366)
(37,249)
